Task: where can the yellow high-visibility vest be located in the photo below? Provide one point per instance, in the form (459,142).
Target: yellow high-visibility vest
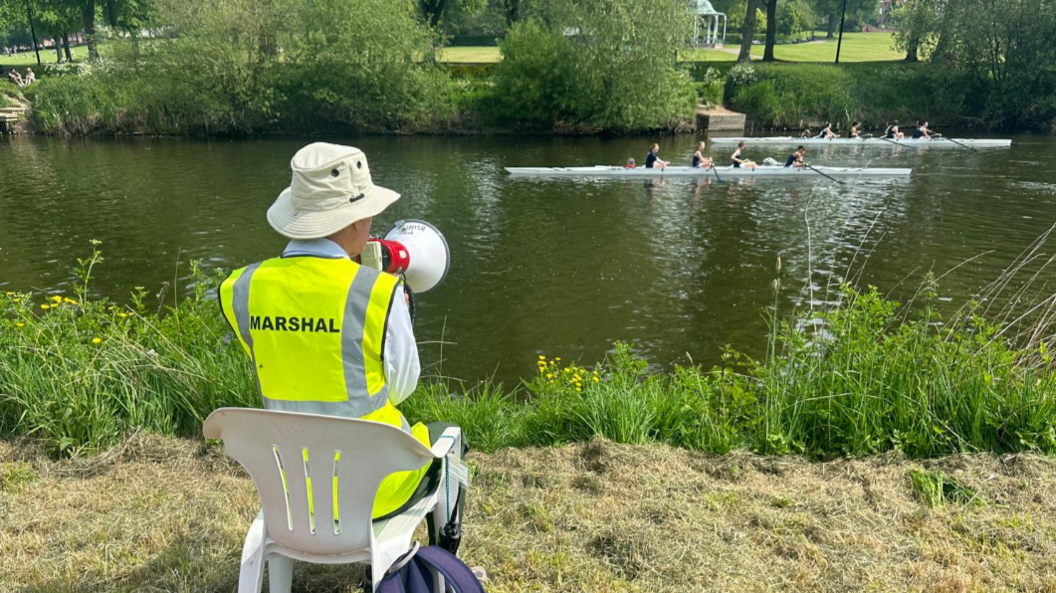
(314,328)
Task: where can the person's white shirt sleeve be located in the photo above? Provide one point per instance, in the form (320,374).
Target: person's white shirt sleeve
(401,351)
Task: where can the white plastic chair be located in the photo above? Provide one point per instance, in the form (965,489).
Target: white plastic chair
(317,477)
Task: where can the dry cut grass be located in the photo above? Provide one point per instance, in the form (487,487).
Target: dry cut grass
(161,514)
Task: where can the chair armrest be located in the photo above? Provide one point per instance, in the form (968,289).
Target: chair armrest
(446,441)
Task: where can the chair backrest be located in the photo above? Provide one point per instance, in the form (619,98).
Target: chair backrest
(317,476)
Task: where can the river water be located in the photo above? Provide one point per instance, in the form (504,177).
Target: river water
(678,268)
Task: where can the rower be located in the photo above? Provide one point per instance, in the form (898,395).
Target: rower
(738,162)
(855,130)
(892,133)
(652,161)
(796,158)
(699,160)
(921,131)
(806,134)
(826,132)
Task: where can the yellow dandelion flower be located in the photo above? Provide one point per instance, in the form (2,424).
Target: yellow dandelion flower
(577,377)
(69,301)
(96,340)
(596,379)
(20,324)
(45,307)
(9,293)
(549,375)
(56,298)
(541,357)
(558,358)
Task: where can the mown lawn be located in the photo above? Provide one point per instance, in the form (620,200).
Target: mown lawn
(47,56)
(857,47)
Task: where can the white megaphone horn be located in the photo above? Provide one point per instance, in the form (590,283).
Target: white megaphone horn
(413,248)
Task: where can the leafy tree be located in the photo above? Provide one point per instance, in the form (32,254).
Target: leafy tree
(917,22)
(596,63)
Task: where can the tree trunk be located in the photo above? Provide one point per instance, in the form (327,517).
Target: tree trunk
(66,45)
(512,8)
(831,30)
(911,51)
(432,10)
(111,13)
(88,16)
(747,33)
(58,49)
(771,30)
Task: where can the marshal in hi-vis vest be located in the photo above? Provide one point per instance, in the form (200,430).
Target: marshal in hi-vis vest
(314,328)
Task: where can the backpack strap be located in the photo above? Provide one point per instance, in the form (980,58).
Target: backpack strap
(457,575)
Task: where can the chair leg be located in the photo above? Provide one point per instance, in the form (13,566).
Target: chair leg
(251,573)
(280,574)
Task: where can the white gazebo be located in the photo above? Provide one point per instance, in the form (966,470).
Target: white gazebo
(708,18)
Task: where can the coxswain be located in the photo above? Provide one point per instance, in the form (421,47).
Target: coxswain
(796,158)
(629,164)
(652,161)
(699,160)
(826,132)
(330,336)
(736,159)
(921,131)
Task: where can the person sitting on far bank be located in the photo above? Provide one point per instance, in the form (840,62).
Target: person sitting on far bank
(652,161)
(736,159)
(699,160)
(15,77)
(826,132)
(921,131)
(30,77)
(796,158)
(330,336)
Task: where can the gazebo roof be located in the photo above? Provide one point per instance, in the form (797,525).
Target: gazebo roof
(702,7)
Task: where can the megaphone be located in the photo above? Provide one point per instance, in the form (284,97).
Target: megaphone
(414,249)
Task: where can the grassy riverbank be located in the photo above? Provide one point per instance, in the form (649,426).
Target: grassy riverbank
(867,377)
(158,513)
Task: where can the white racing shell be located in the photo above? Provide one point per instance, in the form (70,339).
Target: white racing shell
(720,172)
(919,142)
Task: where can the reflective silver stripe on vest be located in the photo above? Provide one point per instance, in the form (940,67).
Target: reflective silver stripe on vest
(352,328)
(240,307)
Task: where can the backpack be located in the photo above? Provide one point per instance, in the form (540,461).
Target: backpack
(415,572)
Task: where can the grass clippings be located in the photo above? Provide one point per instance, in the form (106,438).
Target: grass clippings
(162,514)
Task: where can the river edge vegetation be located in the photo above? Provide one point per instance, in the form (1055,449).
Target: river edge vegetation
(595,516)
(344,66)
(866,377)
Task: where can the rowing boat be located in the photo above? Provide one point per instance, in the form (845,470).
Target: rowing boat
(918,142)
(723,172)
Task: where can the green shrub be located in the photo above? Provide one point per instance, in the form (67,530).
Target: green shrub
(796,95)
(585,66)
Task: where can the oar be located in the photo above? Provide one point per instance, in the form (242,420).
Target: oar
(716,172)
(886,139)
(822,174)
(956,142)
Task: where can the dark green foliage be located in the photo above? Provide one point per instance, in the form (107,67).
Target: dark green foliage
(592,65)
(794,95)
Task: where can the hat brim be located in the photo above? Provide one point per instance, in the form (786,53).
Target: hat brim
(289,222)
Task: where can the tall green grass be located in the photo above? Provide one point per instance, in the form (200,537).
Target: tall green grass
(867,376)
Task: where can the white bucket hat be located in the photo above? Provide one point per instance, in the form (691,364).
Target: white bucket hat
(330,189)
